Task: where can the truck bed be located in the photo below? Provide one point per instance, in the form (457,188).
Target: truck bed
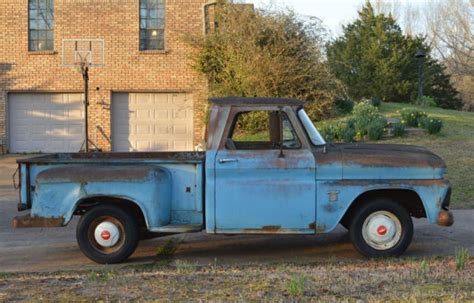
(177,193)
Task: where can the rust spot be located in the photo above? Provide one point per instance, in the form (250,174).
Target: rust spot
(320,228)
(435,182)
(85,174)
(385,155)
(271,228)
(28,221)
(104,157)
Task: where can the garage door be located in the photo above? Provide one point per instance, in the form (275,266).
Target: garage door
(152,122)
(45,122)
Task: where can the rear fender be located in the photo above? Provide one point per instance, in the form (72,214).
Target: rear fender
(60,190)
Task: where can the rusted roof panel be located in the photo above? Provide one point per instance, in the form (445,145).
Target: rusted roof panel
(256,101)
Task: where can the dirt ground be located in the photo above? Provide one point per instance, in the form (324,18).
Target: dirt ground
(323,267)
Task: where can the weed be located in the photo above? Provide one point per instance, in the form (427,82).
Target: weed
(168,249)
(421,270)
(5,275)
(461,258)
(296,285)
(101,275)
(184,267)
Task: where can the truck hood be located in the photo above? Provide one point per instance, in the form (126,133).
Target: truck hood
(380,161)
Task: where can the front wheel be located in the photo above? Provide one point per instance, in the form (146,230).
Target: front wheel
(107,234)
(381,228)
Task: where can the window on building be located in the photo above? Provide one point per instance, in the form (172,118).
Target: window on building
(152,24)
(41,25)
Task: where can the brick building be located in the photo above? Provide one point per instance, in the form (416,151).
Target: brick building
(145,97)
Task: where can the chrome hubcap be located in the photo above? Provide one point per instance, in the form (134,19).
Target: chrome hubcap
(382,230)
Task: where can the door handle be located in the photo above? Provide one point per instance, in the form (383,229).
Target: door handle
(228,160)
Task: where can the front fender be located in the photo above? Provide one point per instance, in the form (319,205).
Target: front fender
(59,190)
(335,197)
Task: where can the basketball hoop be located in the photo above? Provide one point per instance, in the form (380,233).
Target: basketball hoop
(84,54)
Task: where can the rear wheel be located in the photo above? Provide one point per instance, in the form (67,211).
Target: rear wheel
(107,234)
(381,228)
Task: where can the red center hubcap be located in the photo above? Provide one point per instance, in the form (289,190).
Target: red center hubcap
(105,235)
(381,230)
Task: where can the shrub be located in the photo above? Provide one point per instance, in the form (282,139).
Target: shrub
(412,117)
(344,132)
(432,125)
(253,122)
(376,101)
(365,114)
(328,133)
(344,106)
(398,129)
(375,129)
(425,101)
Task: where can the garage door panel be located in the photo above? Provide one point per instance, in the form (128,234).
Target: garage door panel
(152,122)
(45,122)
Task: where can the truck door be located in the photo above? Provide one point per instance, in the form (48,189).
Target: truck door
(265,176)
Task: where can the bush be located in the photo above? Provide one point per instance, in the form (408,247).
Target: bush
(432,125)
(412,117)
(376,101)
(375,129)
(398,129)
(328,133)
(425,101)
(344,132)
(253,122)
(365,114)
(344,106)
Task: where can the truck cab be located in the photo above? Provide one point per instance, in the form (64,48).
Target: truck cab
(285,179)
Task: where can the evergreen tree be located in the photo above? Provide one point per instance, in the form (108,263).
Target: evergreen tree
(374,58)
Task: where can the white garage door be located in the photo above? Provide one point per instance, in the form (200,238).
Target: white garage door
(45,122)
(152,122)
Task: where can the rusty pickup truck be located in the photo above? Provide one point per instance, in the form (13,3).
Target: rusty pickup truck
(284,180)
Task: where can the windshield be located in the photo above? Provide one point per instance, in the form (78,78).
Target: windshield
(313,133)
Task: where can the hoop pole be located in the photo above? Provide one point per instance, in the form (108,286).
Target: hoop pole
(85,76)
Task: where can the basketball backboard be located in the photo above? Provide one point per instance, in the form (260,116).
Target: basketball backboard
(77,52)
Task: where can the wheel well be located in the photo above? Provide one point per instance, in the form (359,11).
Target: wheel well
(85,204)
(409,199)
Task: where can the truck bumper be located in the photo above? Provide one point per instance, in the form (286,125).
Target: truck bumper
(445,218)
(28,221)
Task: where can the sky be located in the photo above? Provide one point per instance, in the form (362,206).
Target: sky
(334,13)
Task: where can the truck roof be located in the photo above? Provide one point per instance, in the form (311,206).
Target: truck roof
(256,101)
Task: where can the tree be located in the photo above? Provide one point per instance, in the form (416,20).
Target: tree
(267,53)
(449,28)
(374,58)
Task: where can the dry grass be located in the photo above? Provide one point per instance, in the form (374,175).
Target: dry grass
(376,280)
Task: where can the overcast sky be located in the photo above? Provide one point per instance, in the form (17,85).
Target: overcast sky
(334,13)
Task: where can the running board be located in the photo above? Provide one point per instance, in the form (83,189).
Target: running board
(179,228)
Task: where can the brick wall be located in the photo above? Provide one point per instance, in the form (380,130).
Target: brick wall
(126,68)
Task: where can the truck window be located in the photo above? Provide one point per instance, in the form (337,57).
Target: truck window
(259,130)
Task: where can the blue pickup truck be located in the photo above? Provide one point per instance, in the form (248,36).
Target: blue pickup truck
(285,180)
